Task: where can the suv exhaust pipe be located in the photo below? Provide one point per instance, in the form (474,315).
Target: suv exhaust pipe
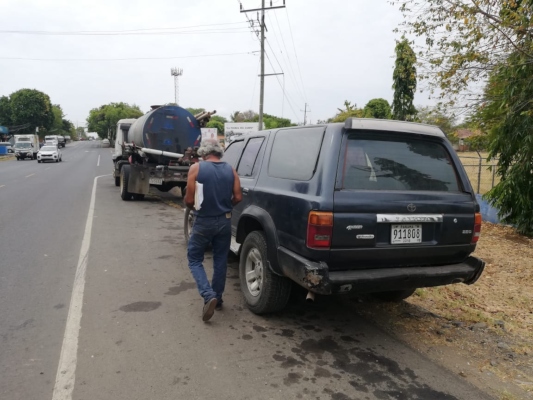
(310,298)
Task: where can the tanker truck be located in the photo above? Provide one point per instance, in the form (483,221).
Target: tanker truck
(156,150)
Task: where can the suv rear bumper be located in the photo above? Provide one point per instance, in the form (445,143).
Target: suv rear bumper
(316,277)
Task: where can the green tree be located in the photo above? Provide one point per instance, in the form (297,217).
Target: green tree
(508,112)
(465,40)
(377,108)
(244,116)
(350,110)
(404,82)
(30,106)
(57,125)
(5,111)
(195,111)
(219,119)
(216,124)
(438,117)
(103,120)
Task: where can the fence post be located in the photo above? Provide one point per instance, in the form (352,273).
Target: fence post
(478,173)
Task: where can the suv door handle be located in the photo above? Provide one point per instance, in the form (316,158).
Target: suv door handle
(245,190)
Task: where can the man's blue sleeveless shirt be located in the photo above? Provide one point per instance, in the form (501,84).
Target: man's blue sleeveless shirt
(218,179)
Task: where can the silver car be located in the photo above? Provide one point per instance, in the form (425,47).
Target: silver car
(49,153)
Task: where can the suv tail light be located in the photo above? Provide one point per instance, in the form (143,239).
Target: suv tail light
(477,228)
(319,229)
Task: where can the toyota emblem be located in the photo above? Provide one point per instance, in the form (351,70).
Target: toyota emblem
(411,207)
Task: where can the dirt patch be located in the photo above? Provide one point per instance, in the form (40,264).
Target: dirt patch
(484,331)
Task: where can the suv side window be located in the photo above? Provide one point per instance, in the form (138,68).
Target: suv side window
(233,153)
(295,153)
(249,156)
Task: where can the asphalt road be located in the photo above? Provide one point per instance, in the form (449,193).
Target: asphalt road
(141,334)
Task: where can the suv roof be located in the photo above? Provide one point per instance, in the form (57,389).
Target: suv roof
(370,124)
(392,126)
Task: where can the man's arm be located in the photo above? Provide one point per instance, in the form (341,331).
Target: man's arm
(191,185)
(237,192)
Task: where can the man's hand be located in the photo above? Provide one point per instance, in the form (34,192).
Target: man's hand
(191,185)
(237,191)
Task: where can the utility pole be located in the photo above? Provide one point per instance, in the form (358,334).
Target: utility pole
(263,27)
(305,114)
(176,73)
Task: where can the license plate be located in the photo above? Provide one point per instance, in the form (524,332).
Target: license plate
(156,181)
(401,234)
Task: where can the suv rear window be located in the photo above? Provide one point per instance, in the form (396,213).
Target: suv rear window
(397,164)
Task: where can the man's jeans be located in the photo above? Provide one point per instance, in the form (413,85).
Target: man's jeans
(217,232)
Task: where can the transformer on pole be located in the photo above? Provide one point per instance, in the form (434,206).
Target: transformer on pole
(176,73)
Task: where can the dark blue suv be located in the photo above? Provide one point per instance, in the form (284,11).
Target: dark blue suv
(368,206)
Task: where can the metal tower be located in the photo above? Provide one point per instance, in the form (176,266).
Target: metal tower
(176,73)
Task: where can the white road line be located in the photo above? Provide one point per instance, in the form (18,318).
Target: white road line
(98,164)
(2,185)
(30,175)
(66,371)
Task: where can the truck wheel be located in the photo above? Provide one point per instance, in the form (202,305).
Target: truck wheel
(39,161)
(393,296)
(18,158)
(263,291)
(117,180)
(188,222)
(124,177)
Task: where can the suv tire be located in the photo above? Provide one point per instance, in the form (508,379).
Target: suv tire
(394,296)
(263,290)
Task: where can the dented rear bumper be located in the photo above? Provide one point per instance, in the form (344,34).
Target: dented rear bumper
(316,277)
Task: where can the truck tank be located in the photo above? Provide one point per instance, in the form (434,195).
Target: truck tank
(166,128)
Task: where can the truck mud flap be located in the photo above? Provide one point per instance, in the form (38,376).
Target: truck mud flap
(139,181)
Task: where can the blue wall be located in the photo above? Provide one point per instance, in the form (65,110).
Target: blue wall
(488,212)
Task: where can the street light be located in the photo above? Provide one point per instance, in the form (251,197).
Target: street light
(176,73)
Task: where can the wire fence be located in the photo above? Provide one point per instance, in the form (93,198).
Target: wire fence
(482,173)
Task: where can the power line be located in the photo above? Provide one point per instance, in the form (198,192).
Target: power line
(119,32)
(289,63)
(295,54)
(123,59)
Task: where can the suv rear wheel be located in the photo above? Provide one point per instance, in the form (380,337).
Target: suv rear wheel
(263,291)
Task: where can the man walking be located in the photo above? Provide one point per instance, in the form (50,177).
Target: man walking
(221,191)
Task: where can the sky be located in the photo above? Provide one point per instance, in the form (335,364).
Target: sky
(328,51)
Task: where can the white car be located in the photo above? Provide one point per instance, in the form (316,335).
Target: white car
(49,153)
(105,143)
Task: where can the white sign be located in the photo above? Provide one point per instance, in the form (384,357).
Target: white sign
(235,129)
(209,133)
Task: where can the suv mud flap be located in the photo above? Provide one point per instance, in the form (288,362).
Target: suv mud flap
(311,275)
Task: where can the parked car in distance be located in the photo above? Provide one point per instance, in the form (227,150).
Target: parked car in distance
(366,206)
(8,146)
(105,143)
(49,153)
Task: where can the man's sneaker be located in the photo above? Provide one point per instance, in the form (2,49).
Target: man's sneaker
(209,309)
(219,305)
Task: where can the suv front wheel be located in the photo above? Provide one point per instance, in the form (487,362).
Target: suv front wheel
(263,290)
